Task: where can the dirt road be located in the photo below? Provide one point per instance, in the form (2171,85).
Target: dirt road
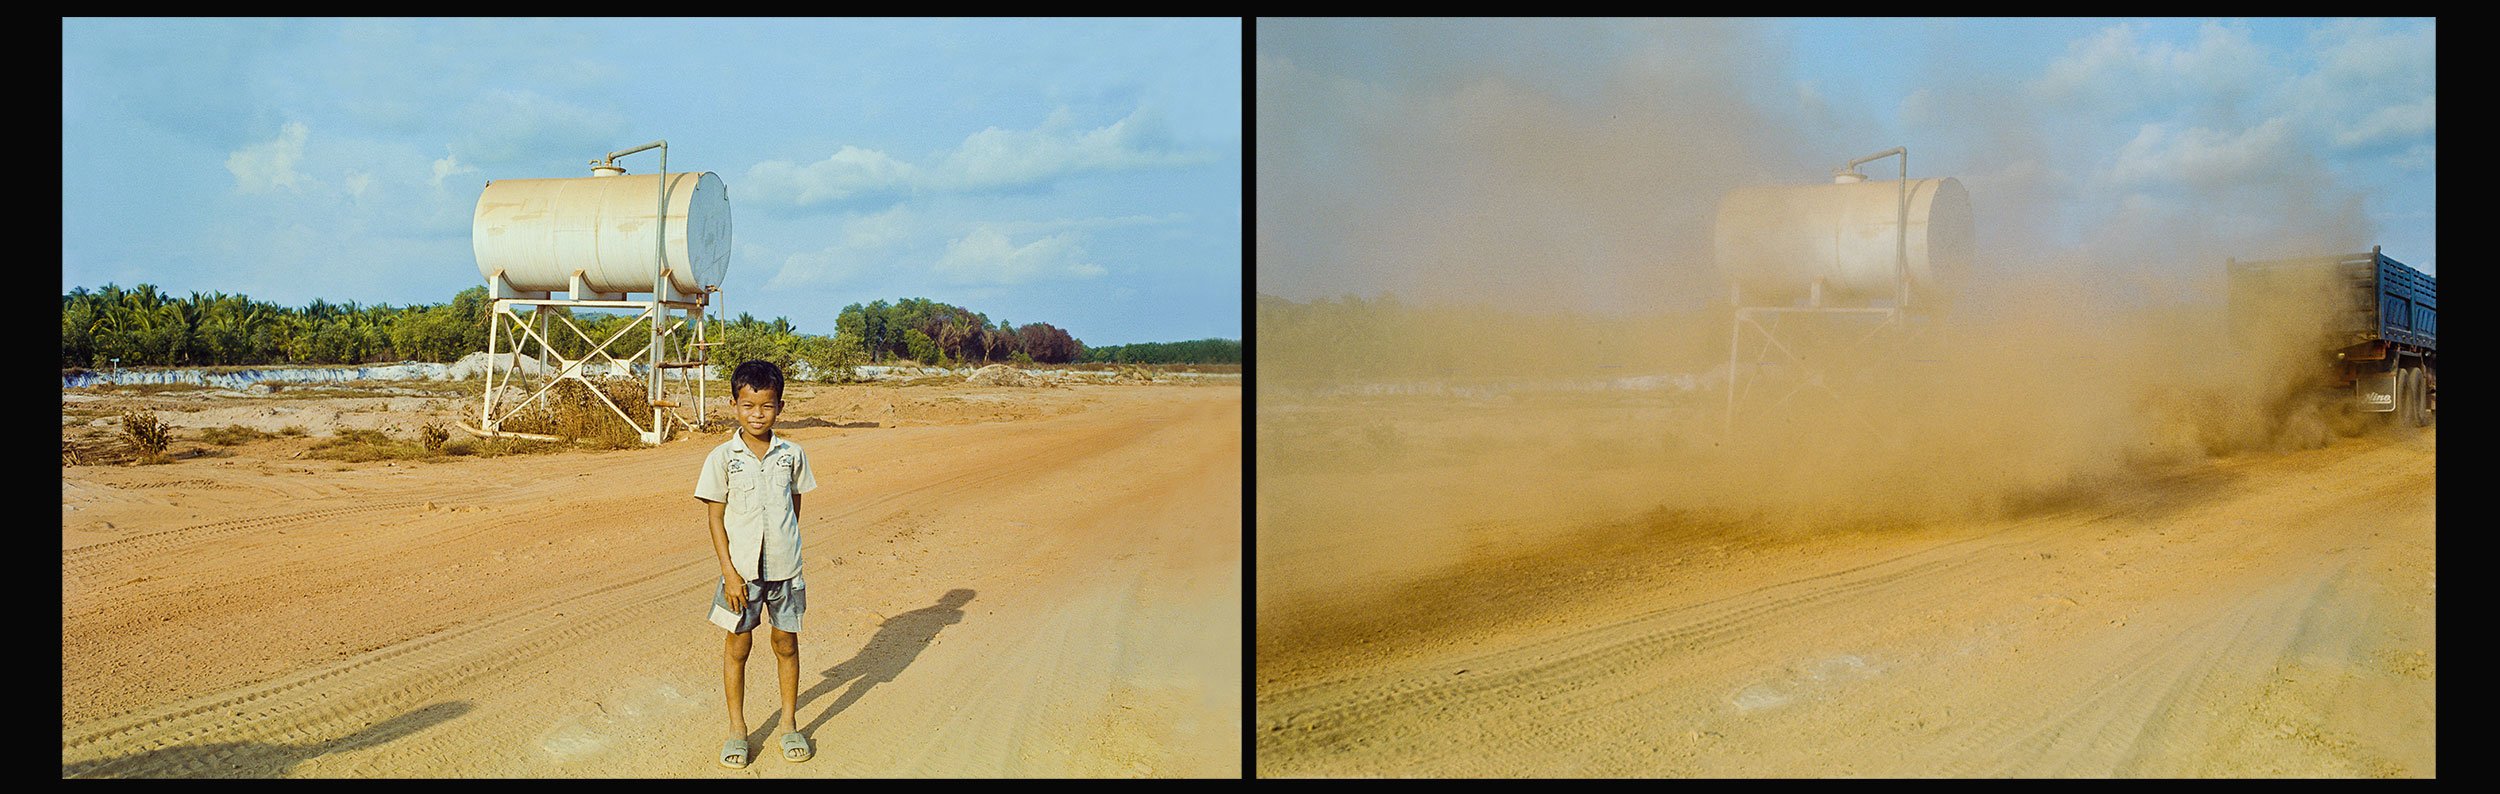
(2255,615)
(1046,584)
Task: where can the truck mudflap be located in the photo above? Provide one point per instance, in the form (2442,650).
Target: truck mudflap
(2375,392)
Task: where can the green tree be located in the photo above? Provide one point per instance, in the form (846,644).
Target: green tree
(878,333)
(920,347)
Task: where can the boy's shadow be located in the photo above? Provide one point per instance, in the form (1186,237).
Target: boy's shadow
(259,759)
(898,641)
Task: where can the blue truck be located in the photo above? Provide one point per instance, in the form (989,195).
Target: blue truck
(2379,318)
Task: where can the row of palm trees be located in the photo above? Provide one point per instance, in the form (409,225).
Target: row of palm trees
(144,325)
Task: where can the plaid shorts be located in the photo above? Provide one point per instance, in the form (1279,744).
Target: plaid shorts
(785,600)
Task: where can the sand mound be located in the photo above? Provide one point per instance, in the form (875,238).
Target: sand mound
(473,365)
(1003,375)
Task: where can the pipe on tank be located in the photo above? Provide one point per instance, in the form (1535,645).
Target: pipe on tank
(659,257)
(1901,220)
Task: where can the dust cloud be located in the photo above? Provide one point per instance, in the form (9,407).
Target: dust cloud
(1542,358)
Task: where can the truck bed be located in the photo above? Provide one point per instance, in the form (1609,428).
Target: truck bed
(2364,297)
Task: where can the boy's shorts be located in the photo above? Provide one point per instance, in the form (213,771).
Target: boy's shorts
(786,600)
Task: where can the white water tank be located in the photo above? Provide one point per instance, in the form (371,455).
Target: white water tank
(1774,243)
(539,232)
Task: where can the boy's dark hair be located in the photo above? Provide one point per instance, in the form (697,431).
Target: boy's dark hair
(755,376)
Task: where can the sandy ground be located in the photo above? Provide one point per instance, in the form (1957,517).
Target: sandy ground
(1004,582)
(2268,613)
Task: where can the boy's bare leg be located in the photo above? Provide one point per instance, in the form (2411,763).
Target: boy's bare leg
(786,655)
(734,679)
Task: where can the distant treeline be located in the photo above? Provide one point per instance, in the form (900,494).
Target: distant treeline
(1199,351)
(144,326)
(943,334)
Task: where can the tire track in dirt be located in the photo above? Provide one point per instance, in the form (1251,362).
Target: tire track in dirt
(338,698)
(87,559)
(2170,723)
(165,484)
(190,581)
(1289,729)
(2190,595)
(2090,730)
(261,720)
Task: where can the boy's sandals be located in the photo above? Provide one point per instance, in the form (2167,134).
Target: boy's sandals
(734,749)
(792,742)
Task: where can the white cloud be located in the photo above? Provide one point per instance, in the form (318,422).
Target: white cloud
(1087,224)
(2366,56)
(2115,70)
(449,165)
(2205,158)
(878,230)
(849,173)
(2375,86)
(986,257)
(862,245)
(987,160)
(994,158)
(357,182)
(263,167)
(2394,123)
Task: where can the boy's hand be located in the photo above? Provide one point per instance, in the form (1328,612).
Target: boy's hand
(737,595)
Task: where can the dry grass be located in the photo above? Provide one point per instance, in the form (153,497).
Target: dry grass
(101,452)
(360,446)
(231,435)
(465,446)
(365,446)
(571,411)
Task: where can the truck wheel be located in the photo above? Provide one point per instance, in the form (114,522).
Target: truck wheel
(2401,413)
(2404,397)
(2421,397)
(2430,404)
(2413,398)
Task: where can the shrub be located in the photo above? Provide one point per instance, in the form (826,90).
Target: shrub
(432,435)
(145,434)
(291,430)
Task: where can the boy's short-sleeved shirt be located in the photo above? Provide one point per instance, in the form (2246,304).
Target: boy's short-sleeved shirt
(763,530)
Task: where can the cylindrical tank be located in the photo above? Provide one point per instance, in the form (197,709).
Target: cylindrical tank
(540,231)
(1775,242)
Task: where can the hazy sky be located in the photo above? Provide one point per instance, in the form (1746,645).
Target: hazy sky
(1577,163)
(1085,173)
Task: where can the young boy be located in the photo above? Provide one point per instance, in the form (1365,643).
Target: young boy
(751,485)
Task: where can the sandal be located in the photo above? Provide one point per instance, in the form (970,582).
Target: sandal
(793,742)
(734,748)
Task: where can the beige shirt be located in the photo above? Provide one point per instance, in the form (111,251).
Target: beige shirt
(763,529)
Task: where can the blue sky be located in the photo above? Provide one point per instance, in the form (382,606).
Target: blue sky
(1084,173)
(1576,163)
